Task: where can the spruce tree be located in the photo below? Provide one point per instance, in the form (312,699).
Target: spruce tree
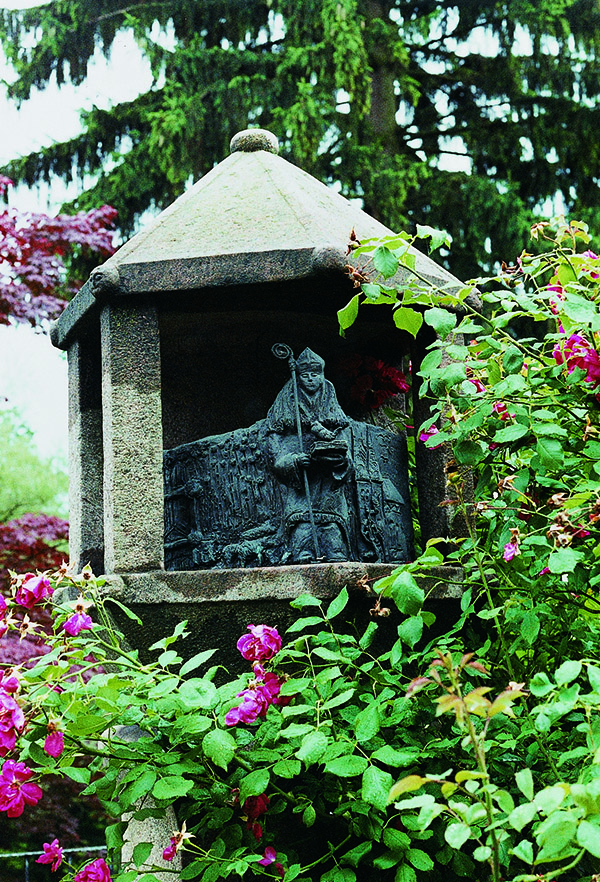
(375,97)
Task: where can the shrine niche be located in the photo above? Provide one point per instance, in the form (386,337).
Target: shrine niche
(307,484)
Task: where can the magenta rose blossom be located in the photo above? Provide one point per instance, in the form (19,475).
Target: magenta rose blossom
(171,850)
(12,721)
(32,590)
(576,351)
(269,858)
(94,872)
(254,705)
(53,854)
(3,607)
(16,790)
(9,682)
(79,621)
(511,550)
(54,744)
(426,434)
(261,644)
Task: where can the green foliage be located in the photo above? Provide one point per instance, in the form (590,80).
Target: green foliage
(473,754)
(28,483)
(376,97)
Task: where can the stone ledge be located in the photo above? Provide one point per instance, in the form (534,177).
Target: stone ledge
(268,583)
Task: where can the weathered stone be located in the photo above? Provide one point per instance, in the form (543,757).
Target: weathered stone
(133,492)
(254,139)
(220,604)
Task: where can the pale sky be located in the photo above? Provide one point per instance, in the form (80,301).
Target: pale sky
(33,374)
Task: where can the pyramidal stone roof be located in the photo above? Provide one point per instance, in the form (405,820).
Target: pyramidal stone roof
(254,218)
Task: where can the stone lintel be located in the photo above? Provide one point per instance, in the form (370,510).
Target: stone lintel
(269,583)
(168,277)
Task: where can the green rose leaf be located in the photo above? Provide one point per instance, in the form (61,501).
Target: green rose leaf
(540,685)
(371,292)
(441,320)
(288,768)
(199,659)
(385,261)
(567,672)
(524,780)
(219,746)
(199,693)
(355,854)
(524,851)
(555,835)
(588,836)
(550,452)
(143,783)
(522,815)
(347,315)
(530,627)
(420,860)
(405,873)
(141,853)
(254,784)
(438,237)
(482,853)
(512,362)
(338,700)
(396,840)
(367,723)
(408,320)
(376,786)
(398,759)
(309,816)
(511,433)
(171,787)
(313,747)
(564,560)
(305,600)
(411,630)
(338,604)
(406,594)
(346,766)
(593,673)
(457,834)
(470,452)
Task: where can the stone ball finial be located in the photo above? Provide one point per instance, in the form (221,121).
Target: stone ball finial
(254,139)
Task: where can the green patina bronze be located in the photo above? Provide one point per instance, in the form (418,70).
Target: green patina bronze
(303,485)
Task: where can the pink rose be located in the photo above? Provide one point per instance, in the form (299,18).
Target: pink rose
(12,722)
(54,744)
(269,858)
(511,549)
(79,621)
(254,705)
(16,790)
(429,433)
(171,850)
(53,854)
(32,590)
(94,872)
(261,644)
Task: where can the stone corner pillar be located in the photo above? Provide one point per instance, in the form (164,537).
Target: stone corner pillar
(132,433)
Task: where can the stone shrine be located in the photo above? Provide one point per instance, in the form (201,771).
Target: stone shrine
(191,488)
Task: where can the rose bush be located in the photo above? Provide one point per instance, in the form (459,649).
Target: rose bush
(475,754)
